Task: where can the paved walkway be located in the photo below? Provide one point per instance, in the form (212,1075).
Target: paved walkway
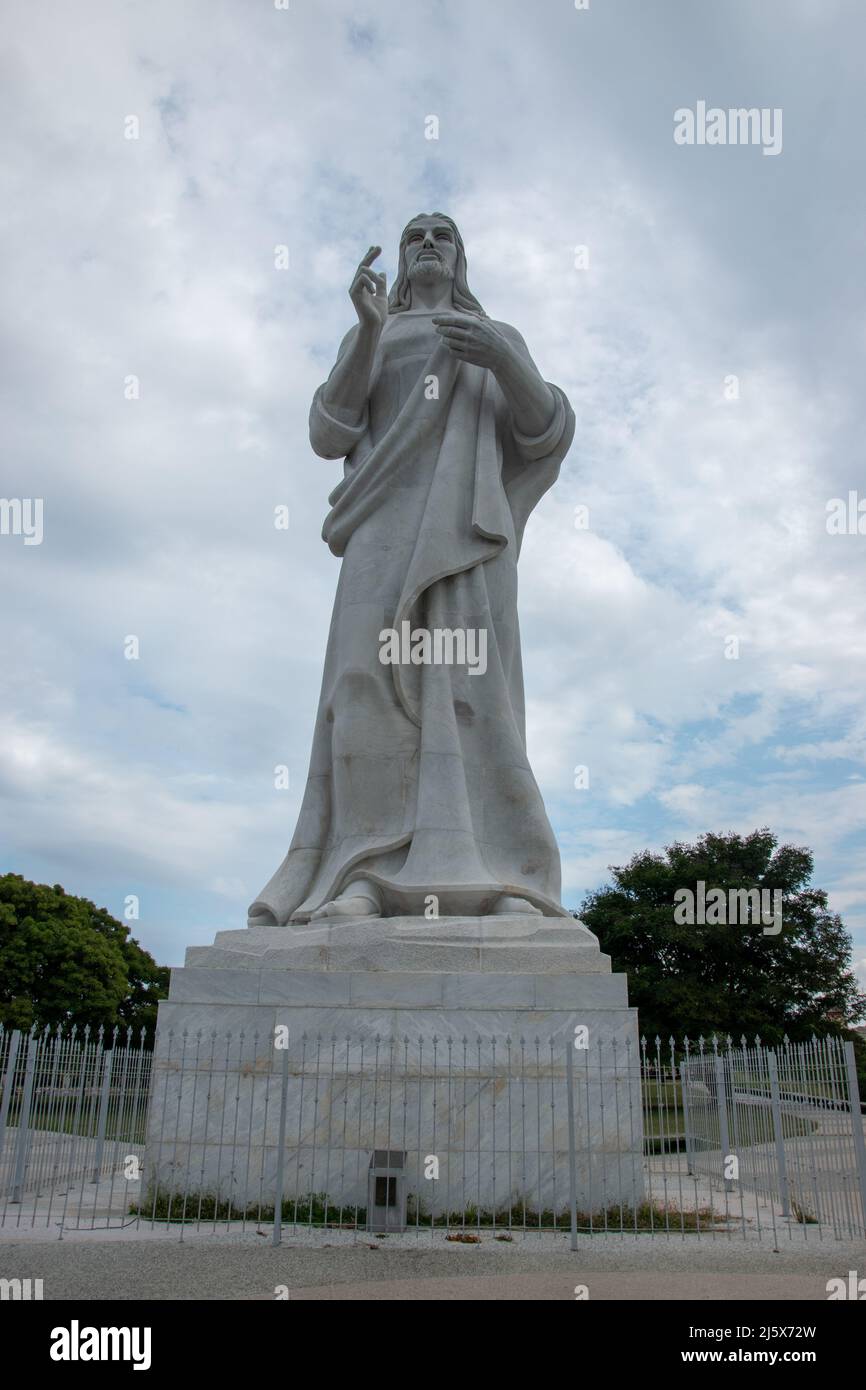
(231,1267)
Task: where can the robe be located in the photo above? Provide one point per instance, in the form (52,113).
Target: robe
(418,778)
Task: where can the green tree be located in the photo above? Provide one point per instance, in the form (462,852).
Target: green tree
(705,979)
(65,961)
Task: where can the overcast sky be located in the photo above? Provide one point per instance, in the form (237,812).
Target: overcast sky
(154,258)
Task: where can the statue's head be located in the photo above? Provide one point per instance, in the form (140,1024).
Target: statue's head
(431,248)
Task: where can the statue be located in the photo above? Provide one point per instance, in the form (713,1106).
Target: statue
(420,799)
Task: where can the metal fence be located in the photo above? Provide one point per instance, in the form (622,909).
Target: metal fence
(70,1105)
(783,1123)
(456,1138)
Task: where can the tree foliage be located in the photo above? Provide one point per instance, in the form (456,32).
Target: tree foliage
(65,961)
(725,979)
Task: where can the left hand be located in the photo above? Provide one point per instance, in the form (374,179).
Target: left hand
(472,339)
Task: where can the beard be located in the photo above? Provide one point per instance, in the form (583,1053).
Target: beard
(436,269)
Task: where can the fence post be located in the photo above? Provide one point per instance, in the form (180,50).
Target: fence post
(572,1156)
(856,1122)
(722,1103)
(686,1120)
(103,1113)
(23,1144)
(775,1100)
(281,1149)
(14,1043)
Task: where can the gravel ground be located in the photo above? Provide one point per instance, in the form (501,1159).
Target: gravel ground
(247,1267)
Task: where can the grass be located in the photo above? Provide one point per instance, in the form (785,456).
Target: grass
(126,1122)
(318,1211)
(648,1216)
(315,1211)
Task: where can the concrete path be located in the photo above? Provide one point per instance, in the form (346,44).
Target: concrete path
(247,1267)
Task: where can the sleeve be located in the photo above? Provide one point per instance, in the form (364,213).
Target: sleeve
(332,438)
(542,445)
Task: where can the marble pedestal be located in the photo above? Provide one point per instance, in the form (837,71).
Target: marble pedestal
(445,1042)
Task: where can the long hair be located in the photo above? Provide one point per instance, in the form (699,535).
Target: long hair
(462,297)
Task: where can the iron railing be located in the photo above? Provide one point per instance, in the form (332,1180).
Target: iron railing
(452,1137)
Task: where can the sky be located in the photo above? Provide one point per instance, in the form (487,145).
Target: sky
(159,359)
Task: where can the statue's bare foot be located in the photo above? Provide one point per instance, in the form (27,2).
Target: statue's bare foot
(360,898)
(507,905)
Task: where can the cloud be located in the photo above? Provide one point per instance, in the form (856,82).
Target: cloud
(155,258)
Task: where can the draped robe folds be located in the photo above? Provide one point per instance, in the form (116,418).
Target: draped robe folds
(419,779)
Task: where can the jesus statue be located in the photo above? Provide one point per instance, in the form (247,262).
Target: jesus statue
(420,800)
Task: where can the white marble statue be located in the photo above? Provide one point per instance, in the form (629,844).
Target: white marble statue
(420,798)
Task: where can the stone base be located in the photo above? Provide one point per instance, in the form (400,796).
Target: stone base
(543,945)
(439,1040)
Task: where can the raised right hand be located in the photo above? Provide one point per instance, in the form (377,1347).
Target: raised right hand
(369,292)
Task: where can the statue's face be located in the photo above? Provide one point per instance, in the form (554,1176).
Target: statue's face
(431,251)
